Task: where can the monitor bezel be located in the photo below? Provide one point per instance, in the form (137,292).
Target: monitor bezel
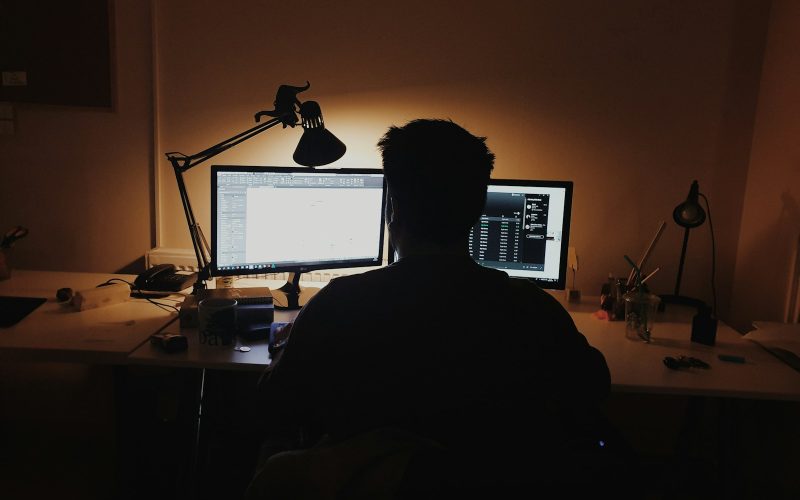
(565,230)
(294,267)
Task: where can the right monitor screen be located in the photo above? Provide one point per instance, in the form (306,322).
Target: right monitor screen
(524,230)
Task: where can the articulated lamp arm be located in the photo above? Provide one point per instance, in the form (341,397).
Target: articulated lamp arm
(285,113)
(180,164)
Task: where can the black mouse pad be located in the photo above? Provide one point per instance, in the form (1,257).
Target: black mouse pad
(13,309)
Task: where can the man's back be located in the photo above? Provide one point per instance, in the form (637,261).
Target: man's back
(490,369)
(442,347)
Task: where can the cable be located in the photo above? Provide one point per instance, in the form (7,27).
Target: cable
(713,256)
(166,307)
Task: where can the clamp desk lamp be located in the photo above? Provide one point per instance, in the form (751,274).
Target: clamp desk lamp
(317,146)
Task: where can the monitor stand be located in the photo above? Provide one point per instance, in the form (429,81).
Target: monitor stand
(291,296)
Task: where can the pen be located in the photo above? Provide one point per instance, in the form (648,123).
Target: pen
(647,252)
(649,275)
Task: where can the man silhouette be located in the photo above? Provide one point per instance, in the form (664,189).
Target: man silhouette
(489,371)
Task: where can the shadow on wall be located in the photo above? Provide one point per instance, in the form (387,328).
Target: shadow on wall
(769,267)
(135,267)
(790,213)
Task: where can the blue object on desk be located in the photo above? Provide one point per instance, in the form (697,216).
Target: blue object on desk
(275,343)
(14,309)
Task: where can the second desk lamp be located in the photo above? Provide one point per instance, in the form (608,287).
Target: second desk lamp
(689,214)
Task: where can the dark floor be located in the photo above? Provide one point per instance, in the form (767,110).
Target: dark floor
(62,427)
(56,432)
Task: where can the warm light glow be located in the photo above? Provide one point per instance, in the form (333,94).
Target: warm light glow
(536,139)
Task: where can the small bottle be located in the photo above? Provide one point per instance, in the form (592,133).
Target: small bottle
(607,295)
(224,282)
(619,290)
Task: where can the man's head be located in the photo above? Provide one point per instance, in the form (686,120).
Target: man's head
(437,174)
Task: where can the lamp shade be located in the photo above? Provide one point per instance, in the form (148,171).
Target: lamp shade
(318,146)
(690,214)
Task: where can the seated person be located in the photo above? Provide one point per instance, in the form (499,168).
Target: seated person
(491,369)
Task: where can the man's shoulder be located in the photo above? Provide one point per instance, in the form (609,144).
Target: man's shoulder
(528,296)
(347,285)
(365,278)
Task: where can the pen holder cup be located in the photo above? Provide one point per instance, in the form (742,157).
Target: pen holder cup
(641,310)
(5,267)
(216,319)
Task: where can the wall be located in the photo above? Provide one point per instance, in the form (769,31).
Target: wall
(771,215)
(631,102)
(81,178)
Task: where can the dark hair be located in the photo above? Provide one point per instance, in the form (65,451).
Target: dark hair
(437,174)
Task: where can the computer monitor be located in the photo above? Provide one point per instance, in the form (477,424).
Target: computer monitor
(524,230)
(278,219)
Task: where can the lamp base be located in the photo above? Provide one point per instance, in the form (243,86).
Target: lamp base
(681,301)
(704,323)
(704,328)
(573,295)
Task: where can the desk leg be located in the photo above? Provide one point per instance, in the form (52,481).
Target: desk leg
(729,450)
(156,414)
(185,434)
(122,403)
(198,450)
(228,434)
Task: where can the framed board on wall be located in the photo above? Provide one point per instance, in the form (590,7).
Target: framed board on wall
(56,52)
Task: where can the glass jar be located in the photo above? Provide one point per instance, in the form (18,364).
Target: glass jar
(641,309)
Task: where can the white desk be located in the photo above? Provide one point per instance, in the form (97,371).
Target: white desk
(119,334)
(635,366)
(53,332)
(638,367)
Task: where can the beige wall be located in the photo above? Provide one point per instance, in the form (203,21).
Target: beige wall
(80,178)
(631,102)
(771,216)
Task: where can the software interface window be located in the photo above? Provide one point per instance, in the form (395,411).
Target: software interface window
(521,230)
(266,220)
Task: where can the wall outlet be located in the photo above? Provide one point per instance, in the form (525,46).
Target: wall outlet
(15,78)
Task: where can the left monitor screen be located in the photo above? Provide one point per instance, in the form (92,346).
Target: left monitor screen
(275,219)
